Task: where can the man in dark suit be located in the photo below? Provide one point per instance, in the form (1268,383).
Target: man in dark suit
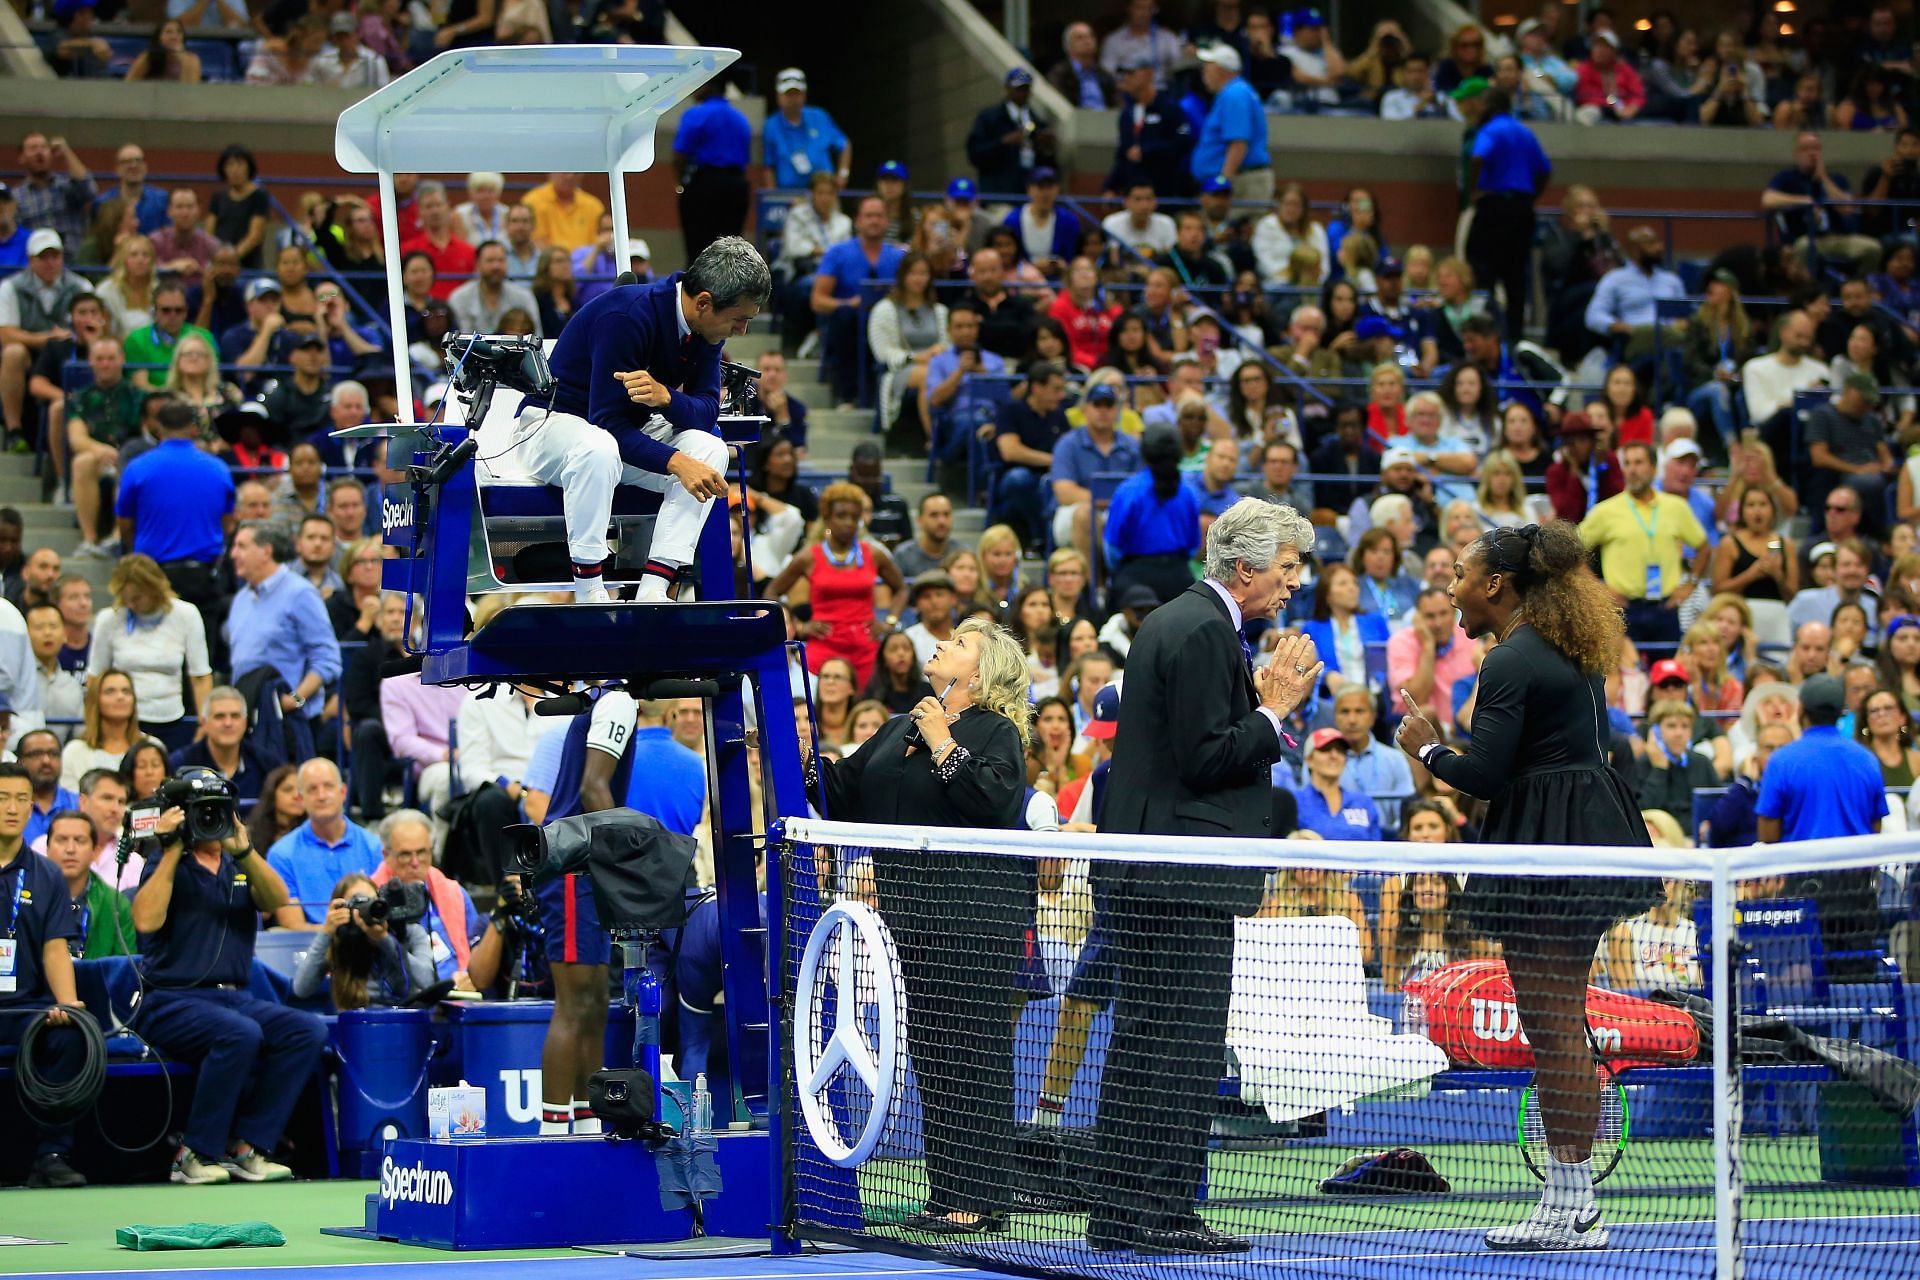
(637,402)
(1192,757)
(1009,139)
(1156,137)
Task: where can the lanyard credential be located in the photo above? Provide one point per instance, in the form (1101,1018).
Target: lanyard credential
(19,894)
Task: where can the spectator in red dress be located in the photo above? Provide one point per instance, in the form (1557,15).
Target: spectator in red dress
(841,570)
(439,239)
(1085,314)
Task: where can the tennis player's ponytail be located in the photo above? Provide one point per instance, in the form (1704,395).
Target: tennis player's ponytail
(1565,604)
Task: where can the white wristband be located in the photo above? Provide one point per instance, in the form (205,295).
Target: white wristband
(1427,752)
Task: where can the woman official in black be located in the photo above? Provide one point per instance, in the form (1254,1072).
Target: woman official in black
(957,920)
(1539,757)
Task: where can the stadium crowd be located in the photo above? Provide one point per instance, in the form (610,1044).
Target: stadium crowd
(1735,439)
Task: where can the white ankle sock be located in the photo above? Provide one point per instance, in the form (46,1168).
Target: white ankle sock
(554,1118)
(590,590)
(1569,1186)
(1047,1112)
(584,1121)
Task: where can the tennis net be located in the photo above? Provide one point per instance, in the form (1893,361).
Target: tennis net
(1076,1054)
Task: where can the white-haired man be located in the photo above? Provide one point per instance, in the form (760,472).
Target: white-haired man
(1192,757)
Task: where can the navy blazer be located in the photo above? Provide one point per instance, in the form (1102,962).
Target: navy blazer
(628,328)
(1165,138)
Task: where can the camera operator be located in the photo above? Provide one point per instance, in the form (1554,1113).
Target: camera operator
(464,947)
(36,968)
(197,912)
(369,962)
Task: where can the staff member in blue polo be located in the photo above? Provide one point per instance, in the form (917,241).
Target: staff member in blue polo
(799,141)
(197,911)
(1506,172)
(710,151)
(1233,137)
(176,505)
(1327,807)
(36,969)
(637,401)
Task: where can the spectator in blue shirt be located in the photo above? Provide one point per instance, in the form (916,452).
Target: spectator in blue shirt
(951,402)
(13,236)
(1328,806)
(149,202)
(1233,137)
(839,300)
(1213,482)
(1730,822)
(799,141)
(1048,235)
(1507,171)
(1623,309)
(1084,454)
(314,856)
(1153,522)
(1823,785)
(1810,203)
(1024,436)
(40,755)
(176,498)
(277,620)
(710,152)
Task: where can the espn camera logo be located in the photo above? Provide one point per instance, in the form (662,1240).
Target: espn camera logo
(416,1185)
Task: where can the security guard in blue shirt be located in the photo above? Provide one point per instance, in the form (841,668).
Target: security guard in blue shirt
(710,162)
(799,141)
(1506,172)
(197,911)
(36,968)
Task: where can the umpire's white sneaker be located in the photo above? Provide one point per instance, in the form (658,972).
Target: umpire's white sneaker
(1549,1228)
(254,1167)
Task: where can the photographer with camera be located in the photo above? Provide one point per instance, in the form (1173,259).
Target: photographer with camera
(464,947)
(197,912)
(372,958)
(36,969)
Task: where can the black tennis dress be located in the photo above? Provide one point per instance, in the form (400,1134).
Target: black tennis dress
(1538,758)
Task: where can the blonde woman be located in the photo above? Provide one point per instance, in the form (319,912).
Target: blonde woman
(127,292)
(154,638)
(193,378)
(1000,566)
(966,767)
(1288,227)
(1309,891)
(1752,467)
(109,728)
(1501,497)
(1709,684)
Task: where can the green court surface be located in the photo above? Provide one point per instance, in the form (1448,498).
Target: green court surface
(85,1220)
(1277,1191)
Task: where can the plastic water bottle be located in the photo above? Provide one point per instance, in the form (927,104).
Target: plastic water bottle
(702,1119)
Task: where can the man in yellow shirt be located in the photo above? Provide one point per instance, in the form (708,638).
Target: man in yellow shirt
(1642,536)
(563,214)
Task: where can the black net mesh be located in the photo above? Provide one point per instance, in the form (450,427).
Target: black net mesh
(1084,1065)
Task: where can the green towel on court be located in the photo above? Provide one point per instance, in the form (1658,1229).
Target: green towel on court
(202,1235)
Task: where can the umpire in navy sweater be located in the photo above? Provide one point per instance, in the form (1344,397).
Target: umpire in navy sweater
(638,402)
(1193,757)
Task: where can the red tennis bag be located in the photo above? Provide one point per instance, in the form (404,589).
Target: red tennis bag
(1470,1014)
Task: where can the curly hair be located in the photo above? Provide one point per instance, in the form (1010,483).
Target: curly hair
(1004,678)
(1565,604)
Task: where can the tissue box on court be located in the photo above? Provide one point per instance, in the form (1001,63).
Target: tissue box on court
(459,1112)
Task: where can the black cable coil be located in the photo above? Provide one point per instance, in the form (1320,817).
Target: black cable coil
(53,1103)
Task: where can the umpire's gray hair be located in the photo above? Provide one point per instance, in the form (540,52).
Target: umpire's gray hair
(1254,531)
(733,271)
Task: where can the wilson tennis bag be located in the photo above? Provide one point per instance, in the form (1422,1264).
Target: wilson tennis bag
(1470,1014)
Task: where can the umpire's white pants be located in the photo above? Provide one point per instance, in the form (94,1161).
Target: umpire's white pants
(585,463)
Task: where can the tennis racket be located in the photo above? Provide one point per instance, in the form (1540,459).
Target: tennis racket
(1609,1135)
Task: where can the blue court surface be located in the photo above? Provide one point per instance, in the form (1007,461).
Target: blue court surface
(1879,1247)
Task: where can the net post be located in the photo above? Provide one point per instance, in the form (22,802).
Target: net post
(1726,1076)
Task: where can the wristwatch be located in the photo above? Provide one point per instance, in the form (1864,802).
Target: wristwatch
(298,701)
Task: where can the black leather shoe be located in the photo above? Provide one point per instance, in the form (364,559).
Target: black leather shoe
(52,1170)
(1110,1236)
(1194,1237)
